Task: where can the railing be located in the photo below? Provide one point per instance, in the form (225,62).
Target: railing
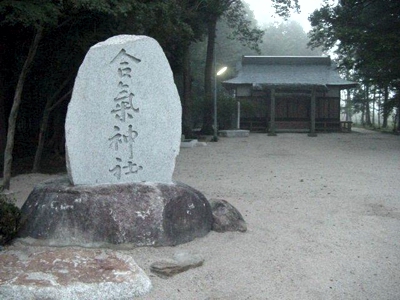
(345,126)
(253,125)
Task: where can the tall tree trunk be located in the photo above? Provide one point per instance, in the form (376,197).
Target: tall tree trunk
(367,109)
(379,108)
(12,119)
(44,125)
(348,106)
(373,108)
(363,114)
(367,114)
(208,100)
(397,121)
(385,109)
(187,94)
(3,128)
(2,120)
(57,140)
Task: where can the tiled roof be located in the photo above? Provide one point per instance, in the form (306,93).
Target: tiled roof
(288,71)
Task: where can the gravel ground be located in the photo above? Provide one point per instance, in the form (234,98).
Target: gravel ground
(323,218)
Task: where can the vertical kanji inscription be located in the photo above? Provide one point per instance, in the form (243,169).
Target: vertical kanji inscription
(124,111)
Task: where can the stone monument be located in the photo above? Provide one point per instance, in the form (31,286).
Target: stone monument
(124,118)
(123,131)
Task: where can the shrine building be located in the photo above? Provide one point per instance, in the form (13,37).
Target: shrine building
(289,93)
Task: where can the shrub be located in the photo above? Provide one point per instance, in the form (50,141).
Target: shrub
(10,216)
(226,111)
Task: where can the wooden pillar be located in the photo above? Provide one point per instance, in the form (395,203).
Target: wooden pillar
(238,115)
(312,113)
(272,128)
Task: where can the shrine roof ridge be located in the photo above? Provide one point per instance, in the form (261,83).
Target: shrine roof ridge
(288,71)
(286,60)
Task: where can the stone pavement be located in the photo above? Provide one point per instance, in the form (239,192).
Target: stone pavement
(69,273)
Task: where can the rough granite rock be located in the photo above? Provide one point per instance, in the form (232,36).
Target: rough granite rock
(181,262)
(59,213)
(226,217)
(70,273)
(124,118)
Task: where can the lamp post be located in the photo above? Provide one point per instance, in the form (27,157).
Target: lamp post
(220,72)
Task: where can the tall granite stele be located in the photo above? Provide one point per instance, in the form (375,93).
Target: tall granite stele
(123,132)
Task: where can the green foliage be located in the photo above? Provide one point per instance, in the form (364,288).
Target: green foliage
(284,7)
(112,7)
(252,108)
(197,111)
(10,216)
(358,100)
(392,103)
(226,108)
(217,7)
(176,31)
(365,34)
(48,12)
(226,111)
(287,38)
(242,26)
(71,27)
(29,12)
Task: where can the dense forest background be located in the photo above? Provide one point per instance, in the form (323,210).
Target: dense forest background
(43,42)
(364,37)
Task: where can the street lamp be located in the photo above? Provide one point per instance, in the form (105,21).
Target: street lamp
(220,72)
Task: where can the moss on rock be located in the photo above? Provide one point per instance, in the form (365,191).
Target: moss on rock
(10,216)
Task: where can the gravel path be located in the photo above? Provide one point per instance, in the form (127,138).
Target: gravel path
(323,218)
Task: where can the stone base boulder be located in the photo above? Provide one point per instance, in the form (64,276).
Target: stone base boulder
(60,214)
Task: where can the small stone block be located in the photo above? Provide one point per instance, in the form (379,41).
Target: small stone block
(226,217)
(182,262)
(234,133)
(71,273)
(201,144)
(188,143)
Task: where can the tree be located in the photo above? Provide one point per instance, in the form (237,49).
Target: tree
(193,14)
(28,14)
(235,12)
(215,9)
(12,119)
(173,36)
(51,104)
(64,31)
(364,34)
(70,28)
(36,16)
(287,38)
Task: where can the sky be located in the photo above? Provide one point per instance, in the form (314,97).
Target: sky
(263,11)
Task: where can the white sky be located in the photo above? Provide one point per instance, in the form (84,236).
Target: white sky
(264,12)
